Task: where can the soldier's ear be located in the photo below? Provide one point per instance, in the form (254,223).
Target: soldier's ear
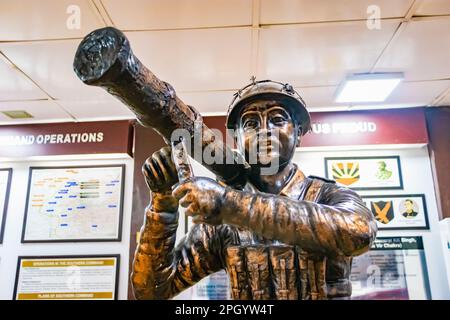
(300,130)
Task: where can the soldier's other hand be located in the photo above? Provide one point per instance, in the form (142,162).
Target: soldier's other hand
(159,171)
(202,197)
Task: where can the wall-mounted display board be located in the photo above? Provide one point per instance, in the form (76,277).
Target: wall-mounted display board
(393,269)
(67,278)
(214,287)
(5,185)
(74,204)
(365,173)
(399,212)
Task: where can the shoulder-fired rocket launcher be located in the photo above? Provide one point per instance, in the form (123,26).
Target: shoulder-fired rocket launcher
(104,58)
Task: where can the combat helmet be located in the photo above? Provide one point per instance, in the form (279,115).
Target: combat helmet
(270,90)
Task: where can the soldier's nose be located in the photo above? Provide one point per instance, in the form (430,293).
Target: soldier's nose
(264,133)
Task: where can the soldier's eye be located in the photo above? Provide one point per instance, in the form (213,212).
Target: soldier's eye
(278,120)
(250,124)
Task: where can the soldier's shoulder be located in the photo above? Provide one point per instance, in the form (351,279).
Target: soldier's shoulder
(331,187)
(322,179)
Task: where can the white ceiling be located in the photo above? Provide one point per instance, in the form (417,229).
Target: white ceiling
(320,54)
(207,49)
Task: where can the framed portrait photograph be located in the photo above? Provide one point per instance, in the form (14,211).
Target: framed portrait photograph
(5,186)
(67,204)
(92,277)
(398,212)
(365,173)
(393,269)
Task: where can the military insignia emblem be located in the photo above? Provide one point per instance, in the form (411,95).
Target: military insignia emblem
(383,211)
(383,173)
(346,172)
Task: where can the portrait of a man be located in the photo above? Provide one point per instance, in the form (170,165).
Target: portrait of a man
(409,209)
(383,173)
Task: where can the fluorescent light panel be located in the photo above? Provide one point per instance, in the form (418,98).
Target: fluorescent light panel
(368,87)
(17,114)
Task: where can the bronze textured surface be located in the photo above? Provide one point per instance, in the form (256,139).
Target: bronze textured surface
(279,236)
(105,59)
(272,246)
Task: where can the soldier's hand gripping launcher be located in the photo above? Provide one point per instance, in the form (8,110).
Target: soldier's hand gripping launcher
(104,58)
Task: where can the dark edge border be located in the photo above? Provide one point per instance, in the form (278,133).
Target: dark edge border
(6,202)
(117,256)
(400,187)
(120,221)
(421,195)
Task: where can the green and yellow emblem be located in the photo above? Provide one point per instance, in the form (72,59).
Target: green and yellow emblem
(345,172)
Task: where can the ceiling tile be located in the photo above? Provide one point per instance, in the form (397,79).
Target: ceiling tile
(49,64)
(297,11)
(97,110)
(218,101)
(445,101)
(320,54)
(407,94)
(42,111)
(317,97)
(208,102)
(171,14)
(15,86)
(422,51)
(433,7)
(418,93)
(45,19)
(192,60)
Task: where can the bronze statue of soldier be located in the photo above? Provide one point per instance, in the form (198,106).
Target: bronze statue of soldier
(283,236)
(279,235)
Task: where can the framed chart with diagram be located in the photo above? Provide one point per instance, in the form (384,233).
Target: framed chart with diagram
(393,269)
(399,212)
(5,186)
(365,173)
(74,204)
(67,277)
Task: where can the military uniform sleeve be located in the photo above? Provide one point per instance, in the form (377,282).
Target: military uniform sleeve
(339,224)
(161,270)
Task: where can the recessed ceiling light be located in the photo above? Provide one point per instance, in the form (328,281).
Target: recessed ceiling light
(368,87)
(17,114)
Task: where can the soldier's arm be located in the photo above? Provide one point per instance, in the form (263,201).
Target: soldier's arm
(342,226)
(161,271)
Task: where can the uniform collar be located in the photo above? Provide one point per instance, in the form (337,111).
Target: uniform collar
(293,187)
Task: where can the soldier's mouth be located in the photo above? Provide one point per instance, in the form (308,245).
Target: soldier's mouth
(267,145)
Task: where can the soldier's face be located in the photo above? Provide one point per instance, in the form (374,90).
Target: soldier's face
(409,206)
(381,165)
(268,133)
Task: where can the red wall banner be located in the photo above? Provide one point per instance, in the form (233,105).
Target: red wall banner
(367,127)
(66,138)
(359,127)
